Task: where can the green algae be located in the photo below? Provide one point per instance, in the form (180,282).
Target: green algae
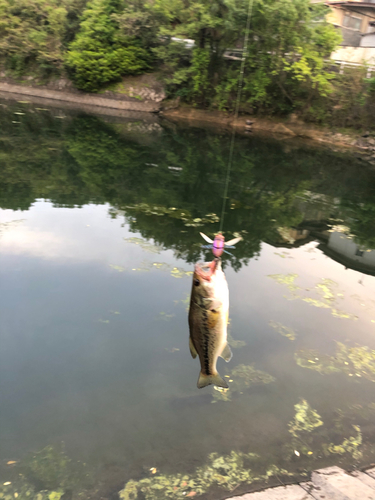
(227,472)
(306,419)
(236,344)
(285,279)
(358,361)
(145,245)
(327,291)
(21,490)
(313,360)
(175,272)
(285,331)
(184,215)
(350,445)
(241,378)
(165,317)
(119,269)
(45,475)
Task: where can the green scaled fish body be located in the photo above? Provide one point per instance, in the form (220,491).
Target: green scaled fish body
(208,320)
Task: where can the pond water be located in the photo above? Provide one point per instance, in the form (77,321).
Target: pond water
(99,232)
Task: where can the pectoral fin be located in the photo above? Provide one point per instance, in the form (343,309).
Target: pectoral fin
(205,380)
(227,353)
(193,351)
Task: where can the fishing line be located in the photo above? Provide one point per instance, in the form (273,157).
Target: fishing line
(239,92)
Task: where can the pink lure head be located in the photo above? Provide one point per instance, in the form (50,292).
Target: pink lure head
(218,245)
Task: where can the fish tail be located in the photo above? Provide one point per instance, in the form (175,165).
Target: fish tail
(205,380)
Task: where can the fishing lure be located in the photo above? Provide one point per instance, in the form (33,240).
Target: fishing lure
(219,244)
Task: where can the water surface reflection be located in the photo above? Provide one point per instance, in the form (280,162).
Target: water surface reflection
(99,230)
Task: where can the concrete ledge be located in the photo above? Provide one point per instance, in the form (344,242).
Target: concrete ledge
(79,99)
(292,492)
(331,483)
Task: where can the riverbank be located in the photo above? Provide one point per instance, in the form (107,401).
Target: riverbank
(290,128)
(145,95)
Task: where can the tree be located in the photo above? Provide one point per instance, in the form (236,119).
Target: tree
(100,54)
(288,43)
(32,34)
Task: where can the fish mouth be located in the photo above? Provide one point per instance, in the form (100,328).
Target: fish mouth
(207,269)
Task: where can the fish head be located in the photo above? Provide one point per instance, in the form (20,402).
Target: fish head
(204,284)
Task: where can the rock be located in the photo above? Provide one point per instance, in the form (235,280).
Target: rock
(249,122)
(371,141)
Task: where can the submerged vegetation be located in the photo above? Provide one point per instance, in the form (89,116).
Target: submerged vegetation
(357,362)
(241,378)
(327,291)
(195,48)
(227,472)
(48,474)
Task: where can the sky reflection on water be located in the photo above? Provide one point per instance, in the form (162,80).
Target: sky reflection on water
(94,337)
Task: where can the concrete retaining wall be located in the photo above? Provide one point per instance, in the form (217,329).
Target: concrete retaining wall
(80,99)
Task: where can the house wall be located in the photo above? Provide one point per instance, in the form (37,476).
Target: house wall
(355,55)
(368,41)
(337,15)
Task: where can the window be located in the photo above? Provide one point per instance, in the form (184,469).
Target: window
(359,252)
(352,22)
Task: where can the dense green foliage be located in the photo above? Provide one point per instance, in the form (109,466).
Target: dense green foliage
(100,54)
(34,35)
(82,159)
(100,41)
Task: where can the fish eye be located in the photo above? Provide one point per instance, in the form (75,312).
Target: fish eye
(196,282)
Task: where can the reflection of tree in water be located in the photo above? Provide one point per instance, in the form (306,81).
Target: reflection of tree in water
(82,159)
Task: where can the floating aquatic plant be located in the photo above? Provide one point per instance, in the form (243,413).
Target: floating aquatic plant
(176,272)
(326,289)
(226,471)
(289,333)
(303,426)
(285,279)
(356,361)
(166,317)
(313,360)
(236,344)
(241,378)
(349,445)
(119,269)
(306,419)
(182,214)
(145,245)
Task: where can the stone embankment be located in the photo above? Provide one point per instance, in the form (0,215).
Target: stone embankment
(80,98)
(331,483)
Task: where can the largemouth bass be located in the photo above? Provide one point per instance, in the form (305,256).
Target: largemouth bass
(208,320)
